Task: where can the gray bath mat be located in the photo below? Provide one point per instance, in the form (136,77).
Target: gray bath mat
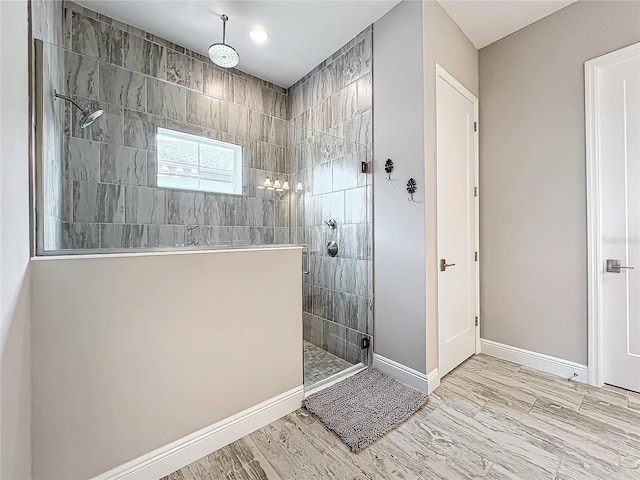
(364,407)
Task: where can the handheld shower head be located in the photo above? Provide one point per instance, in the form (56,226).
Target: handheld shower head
(88,116)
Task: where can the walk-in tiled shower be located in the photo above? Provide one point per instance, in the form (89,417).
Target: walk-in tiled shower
(188,154)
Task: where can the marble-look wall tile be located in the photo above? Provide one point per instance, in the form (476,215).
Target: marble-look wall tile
(98,202)
(336,339)
(220,236)
(115,164)
(353,240)
(282,213)
(216,210)
(282,235)
(141,205)
(81,75)
(261,235)
(314,330)
(365,93)
(171,235)
(345,343)
(322,302)
(140,129)
(356,205)
(322,178)
(186,71)
(238,120)
(166,100)
(124,236)
(139,167)
(96,39)
(206,111)
(344,104)
(240,236)
(351,311)
(47,21)
(347,172)
(179,208)
(79,236)
(274,103)
(144,56)
(218,82)
(122,87)
(81,159)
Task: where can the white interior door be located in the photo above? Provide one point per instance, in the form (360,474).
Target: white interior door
(456,117)
(619,127)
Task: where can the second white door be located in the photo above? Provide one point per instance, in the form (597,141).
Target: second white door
(456,117)
(618,108)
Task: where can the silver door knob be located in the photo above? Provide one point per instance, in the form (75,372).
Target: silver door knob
(444,264)
(613,266)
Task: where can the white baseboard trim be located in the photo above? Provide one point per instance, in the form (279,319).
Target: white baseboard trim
(333,379)
(171,457)
(539,361)
(433,380)
(409,376)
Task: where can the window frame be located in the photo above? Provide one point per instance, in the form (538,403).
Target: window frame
(199,140)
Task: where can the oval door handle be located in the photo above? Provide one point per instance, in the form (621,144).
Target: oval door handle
(444,264)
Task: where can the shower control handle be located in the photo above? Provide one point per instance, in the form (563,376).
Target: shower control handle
(331,224)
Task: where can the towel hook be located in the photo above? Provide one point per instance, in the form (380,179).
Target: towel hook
(412,186)
(388,167)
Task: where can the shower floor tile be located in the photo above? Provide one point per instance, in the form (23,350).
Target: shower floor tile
(320,364)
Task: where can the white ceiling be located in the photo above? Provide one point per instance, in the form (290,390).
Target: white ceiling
(486,21)
(302,33)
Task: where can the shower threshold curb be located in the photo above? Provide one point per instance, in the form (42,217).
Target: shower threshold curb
(335,378)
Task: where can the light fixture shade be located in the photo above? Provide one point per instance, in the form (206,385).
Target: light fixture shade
(266,184)
(285,185)
(277,185)
(224,55)
(299,187)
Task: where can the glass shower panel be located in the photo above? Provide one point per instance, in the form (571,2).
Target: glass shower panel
(332,215)
(137,180)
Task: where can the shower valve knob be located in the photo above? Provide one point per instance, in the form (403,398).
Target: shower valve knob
(331,223)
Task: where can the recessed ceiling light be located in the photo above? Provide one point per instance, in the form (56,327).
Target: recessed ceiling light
(258,34)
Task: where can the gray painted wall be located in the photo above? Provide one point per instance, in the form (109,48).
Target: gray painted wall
(398,132)
(408,42)
(445,44)
(532,176)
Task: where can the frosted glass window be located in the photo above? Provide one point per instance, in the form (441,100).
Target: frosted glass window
(190,162)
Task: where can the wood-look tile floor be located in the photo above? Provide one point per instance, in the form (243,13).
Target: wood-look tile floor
(489,419)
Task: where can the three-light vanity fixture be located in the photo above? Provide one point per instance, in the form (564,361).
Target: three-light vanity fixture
(274,185)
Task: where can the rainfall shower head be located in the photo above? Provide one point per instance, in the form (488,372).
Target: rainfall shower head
(88,116)
(222,54)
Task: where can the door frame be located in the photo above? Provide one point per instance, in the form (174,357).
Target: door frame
(595,260)
(451,80)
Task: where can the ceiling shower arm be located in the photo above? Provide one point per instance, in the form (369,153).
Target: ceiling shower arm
(64,97)
(224,28)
